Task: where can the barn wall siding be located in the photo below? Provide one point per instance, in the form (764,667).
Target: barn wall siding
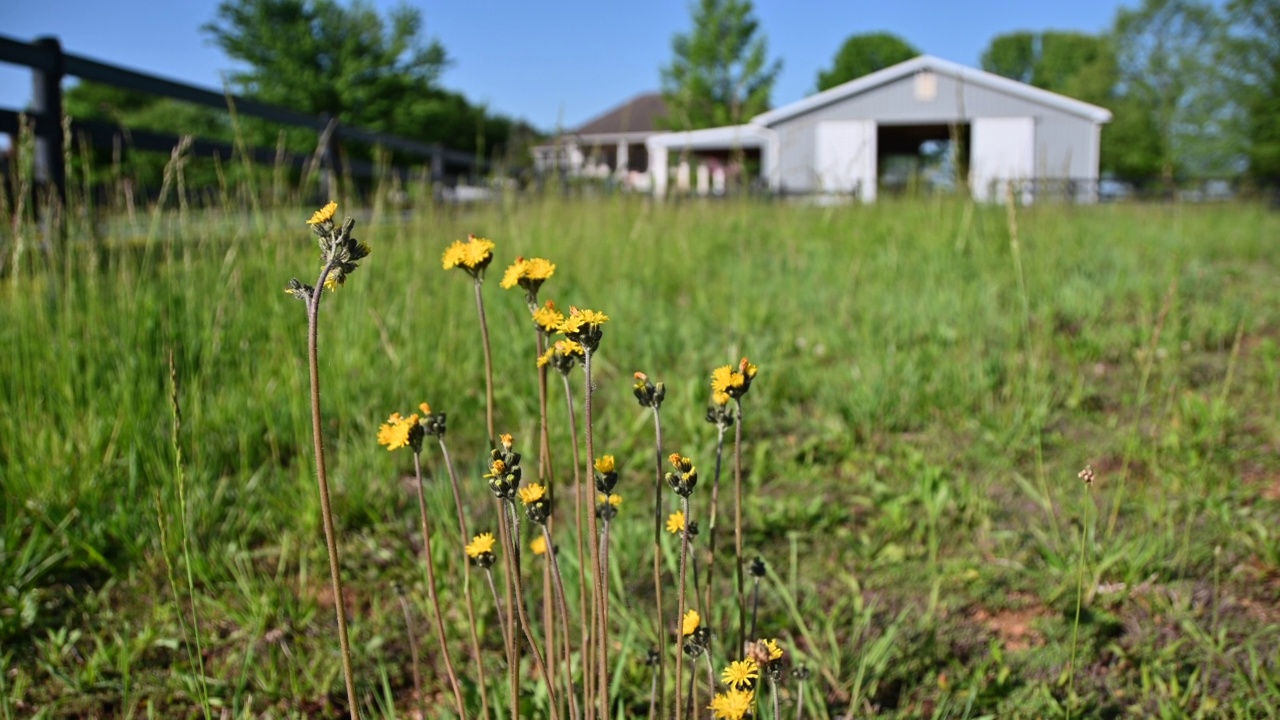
(1064,141)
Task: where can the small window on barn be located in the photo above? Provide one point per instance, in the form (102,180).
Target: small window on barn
(926,86)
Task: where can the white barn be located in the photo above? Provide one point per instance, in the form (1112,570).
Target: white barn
(1014,137)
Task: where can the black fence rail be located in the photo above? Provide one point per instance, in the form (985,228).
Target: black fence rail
(49,65)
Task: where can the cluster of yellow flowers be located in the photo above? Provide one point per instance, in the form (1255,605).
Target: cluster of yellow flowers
(727,383)
(473,254)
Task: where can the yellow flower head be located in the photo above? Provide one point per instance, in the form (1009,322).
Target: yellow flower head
(473,255)
(747,370)
(528,274)
(680,462)
(425,408)
(690,622)
(545,358)
(771,646)
(720,398)
(741,674)
(507,441)
(538,545)
(675,522)
(723,379)
(605,464)
(530,494)
(731,705)
(324,214)
(394,433)
(614,500)
(497,468)
(578,319)
(547,317)
(479,545)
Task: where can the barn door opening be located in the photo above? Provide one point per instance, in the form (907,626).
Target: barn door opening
(922,159)
(845,158)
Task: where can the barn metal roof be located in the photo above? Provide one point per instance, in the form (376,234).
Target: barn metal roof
(925,63)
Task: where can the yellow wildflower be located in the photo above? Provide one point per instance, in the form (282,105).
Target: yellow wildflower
(675,522)
(479,545)
(775,652)
(614,500)
(324,214)
(690,622)
(547,317)
(472,255)
(530,494)
(425,408)
(539,545)
(731,705)
(573,324)
(527,273)
(605,464)
(724,378)
(740,674)
(394,433)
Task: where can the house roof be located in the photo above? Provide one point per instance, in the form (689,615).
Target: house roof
(923,63)
(712,138)
(639,114)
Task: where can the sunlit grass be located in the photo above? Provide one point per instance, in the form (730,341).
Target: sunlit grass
(916,564)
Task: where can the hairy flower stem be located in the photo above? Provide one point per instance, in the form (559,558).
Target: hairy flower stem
(547,477)
(660,671)
(554,564)
(431,589)
(488,365)
(514,534)
(708,589)
(737,528)
(600,601)
(777,702)
(322,479)
(800,702)
(680,605)
(588,673)
(711,673)
(466,579)
(493,591)
(510,577)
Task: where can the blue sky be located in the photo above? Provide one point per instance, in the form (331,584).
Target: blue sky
(554,63)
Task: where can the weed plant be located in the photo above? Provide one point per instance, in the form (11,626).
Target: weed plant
(929,372)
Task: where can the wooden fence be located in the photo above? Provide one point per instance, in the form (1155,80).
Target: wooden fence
(49,65)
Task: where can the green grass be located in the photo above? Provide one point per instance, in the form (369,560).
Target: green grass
(912,444)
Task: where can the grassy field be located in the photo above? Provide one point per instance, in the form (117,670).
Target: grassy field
(933,376)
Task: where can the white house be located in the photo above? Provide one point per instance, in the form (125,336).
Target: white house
(609,145)
(1012,137)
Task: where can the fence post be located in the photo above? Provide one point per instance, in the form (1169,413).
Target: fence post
(46,101)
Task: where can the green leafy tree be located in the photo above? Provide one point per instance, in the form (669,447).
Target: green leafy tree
(353,64)
(721,74)
(1251,53)
(1165,58)
(864,54)
(1084,67)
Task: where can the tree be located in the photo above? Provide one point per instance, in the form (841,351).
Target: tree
(1251,54)
(1083,67)
(352,64)
(864,54)
(720,74)
(1164,53)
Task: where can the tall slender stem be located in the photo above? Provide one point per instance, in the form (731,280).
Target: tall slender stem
(509,578)
(466,579)
(413,652)
(737,528)
(322,479)
(588,670)
(488,364)
(709,589)
(514,535)
(660,675)
(547,477)
(493,591)
(600,601)
(431,589)
(564,617)
(680,605)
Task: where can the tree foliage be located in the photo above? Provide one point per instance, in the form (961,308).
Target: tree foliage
(1252,57)
(1165,58)
(720,73)
(864,54)
(352,64)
